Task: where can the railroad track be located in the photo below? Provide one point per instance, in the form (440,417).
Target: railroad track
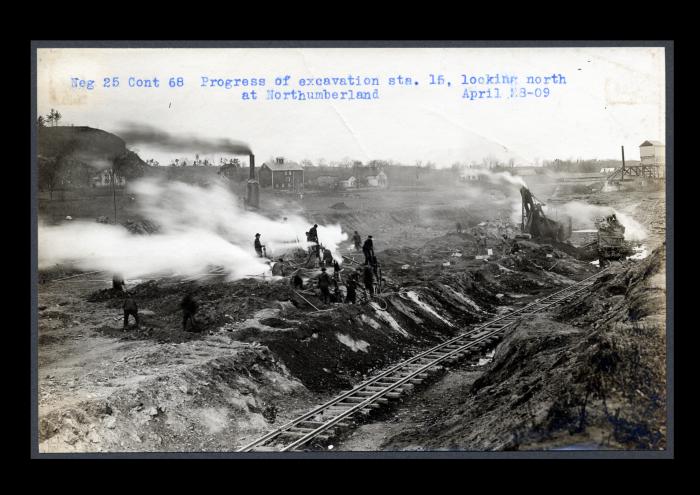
(327,420)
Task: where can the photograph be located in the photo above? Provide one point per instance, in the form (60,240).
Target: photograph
(340,250)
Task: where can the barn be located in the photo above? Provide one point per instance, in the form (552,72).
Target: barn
(282,174)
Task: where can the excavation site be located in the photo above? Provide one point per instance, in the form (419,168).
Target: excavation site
(218,314)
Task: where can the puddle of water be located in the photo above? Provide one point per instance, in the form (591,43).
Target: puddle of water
(486,359)
(640,252)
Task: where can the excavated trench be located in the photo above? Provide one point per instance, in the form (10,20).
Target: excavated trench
(263,355)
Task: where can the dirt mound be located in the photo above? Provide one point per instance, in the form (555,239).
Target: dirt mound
(553,384)
(340,206)
(141,227)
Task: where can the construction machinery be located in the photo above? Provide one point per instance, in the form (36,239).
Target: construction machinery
(536,223)
(611,244)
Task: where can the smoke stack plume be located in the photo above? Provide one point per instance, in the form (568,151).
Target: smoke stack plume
(134,133)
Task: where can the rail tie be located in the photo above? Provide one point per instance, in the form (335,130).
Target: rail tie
(323,421)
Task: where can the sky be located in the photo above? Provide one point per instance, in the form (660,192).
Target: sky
(612,97)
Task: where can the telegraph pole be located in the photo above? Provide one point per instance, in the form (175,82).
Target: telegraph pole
(623,164)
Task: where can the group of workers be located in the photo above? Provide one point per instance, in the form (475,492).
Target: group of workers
(188,305)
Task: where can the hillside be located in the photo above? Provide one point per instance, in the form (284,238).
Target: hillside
(71,156)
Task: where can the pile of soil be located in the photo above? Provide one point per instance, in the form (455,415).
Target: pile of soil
(553,384)
(141,227)
(340,206)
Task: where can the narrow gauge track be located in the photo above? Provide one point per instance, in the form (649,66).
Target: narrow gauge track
(324,421)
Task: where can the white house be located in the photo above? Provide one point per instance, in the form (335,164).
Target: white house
(607,170)
(379,180)
(348,183)
(104,178)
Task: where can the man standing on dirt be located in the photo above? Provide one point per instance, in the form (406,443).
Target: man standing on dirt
(368,277)
(368,249)
(297,281)
(118,283)
(258,245)
(336,270)
(278,268)
(313,234)
(459,228)
(130,308)
(189,307)
(324,283)
(357,239)
(351,287)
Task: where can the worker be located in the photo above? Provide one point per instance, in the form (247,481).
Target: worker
(336,270)
(118,283)
(258,246)
(324,283)
(351,286)
(368,249)
(459,228)
(297,281)
(278,268)
(313,233)
(189,308)
(327,257)
(130,308)
(515,248)
(368,277)
(336,297)
(357,239)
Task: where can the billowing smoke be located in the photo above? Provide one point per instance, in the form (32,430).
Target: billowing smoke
(135,133)
(199,228)
(583,216)
(499,177)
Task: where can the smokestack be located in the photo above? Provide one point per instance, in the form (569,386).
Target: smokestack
(253,188)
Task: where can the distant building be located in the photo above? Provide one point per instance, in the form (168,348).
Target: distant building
(104,178)
(607,170)
(327,181)
(379,180)
(652,153)
(469,177)
(348,183)
(281,174)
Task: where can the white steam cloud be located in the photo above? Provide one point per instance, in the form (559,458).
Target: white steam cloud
(199,228)
(502,177)
(583,216)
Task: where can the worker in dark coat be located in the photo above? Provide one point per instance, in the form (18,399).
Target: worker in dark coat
(324,283)
(313,234)
(130,308)
(189,308)
(351,287)
(278,268)
(118,283)
(297,281)
(336,297)
(459,228)
(357,240)
(368,278)
(258,245)
(336,270)
(368,249)
(327,257)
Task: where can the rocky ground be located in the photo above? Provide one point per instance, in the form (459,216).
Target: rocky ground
(264,354)
(589,376)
